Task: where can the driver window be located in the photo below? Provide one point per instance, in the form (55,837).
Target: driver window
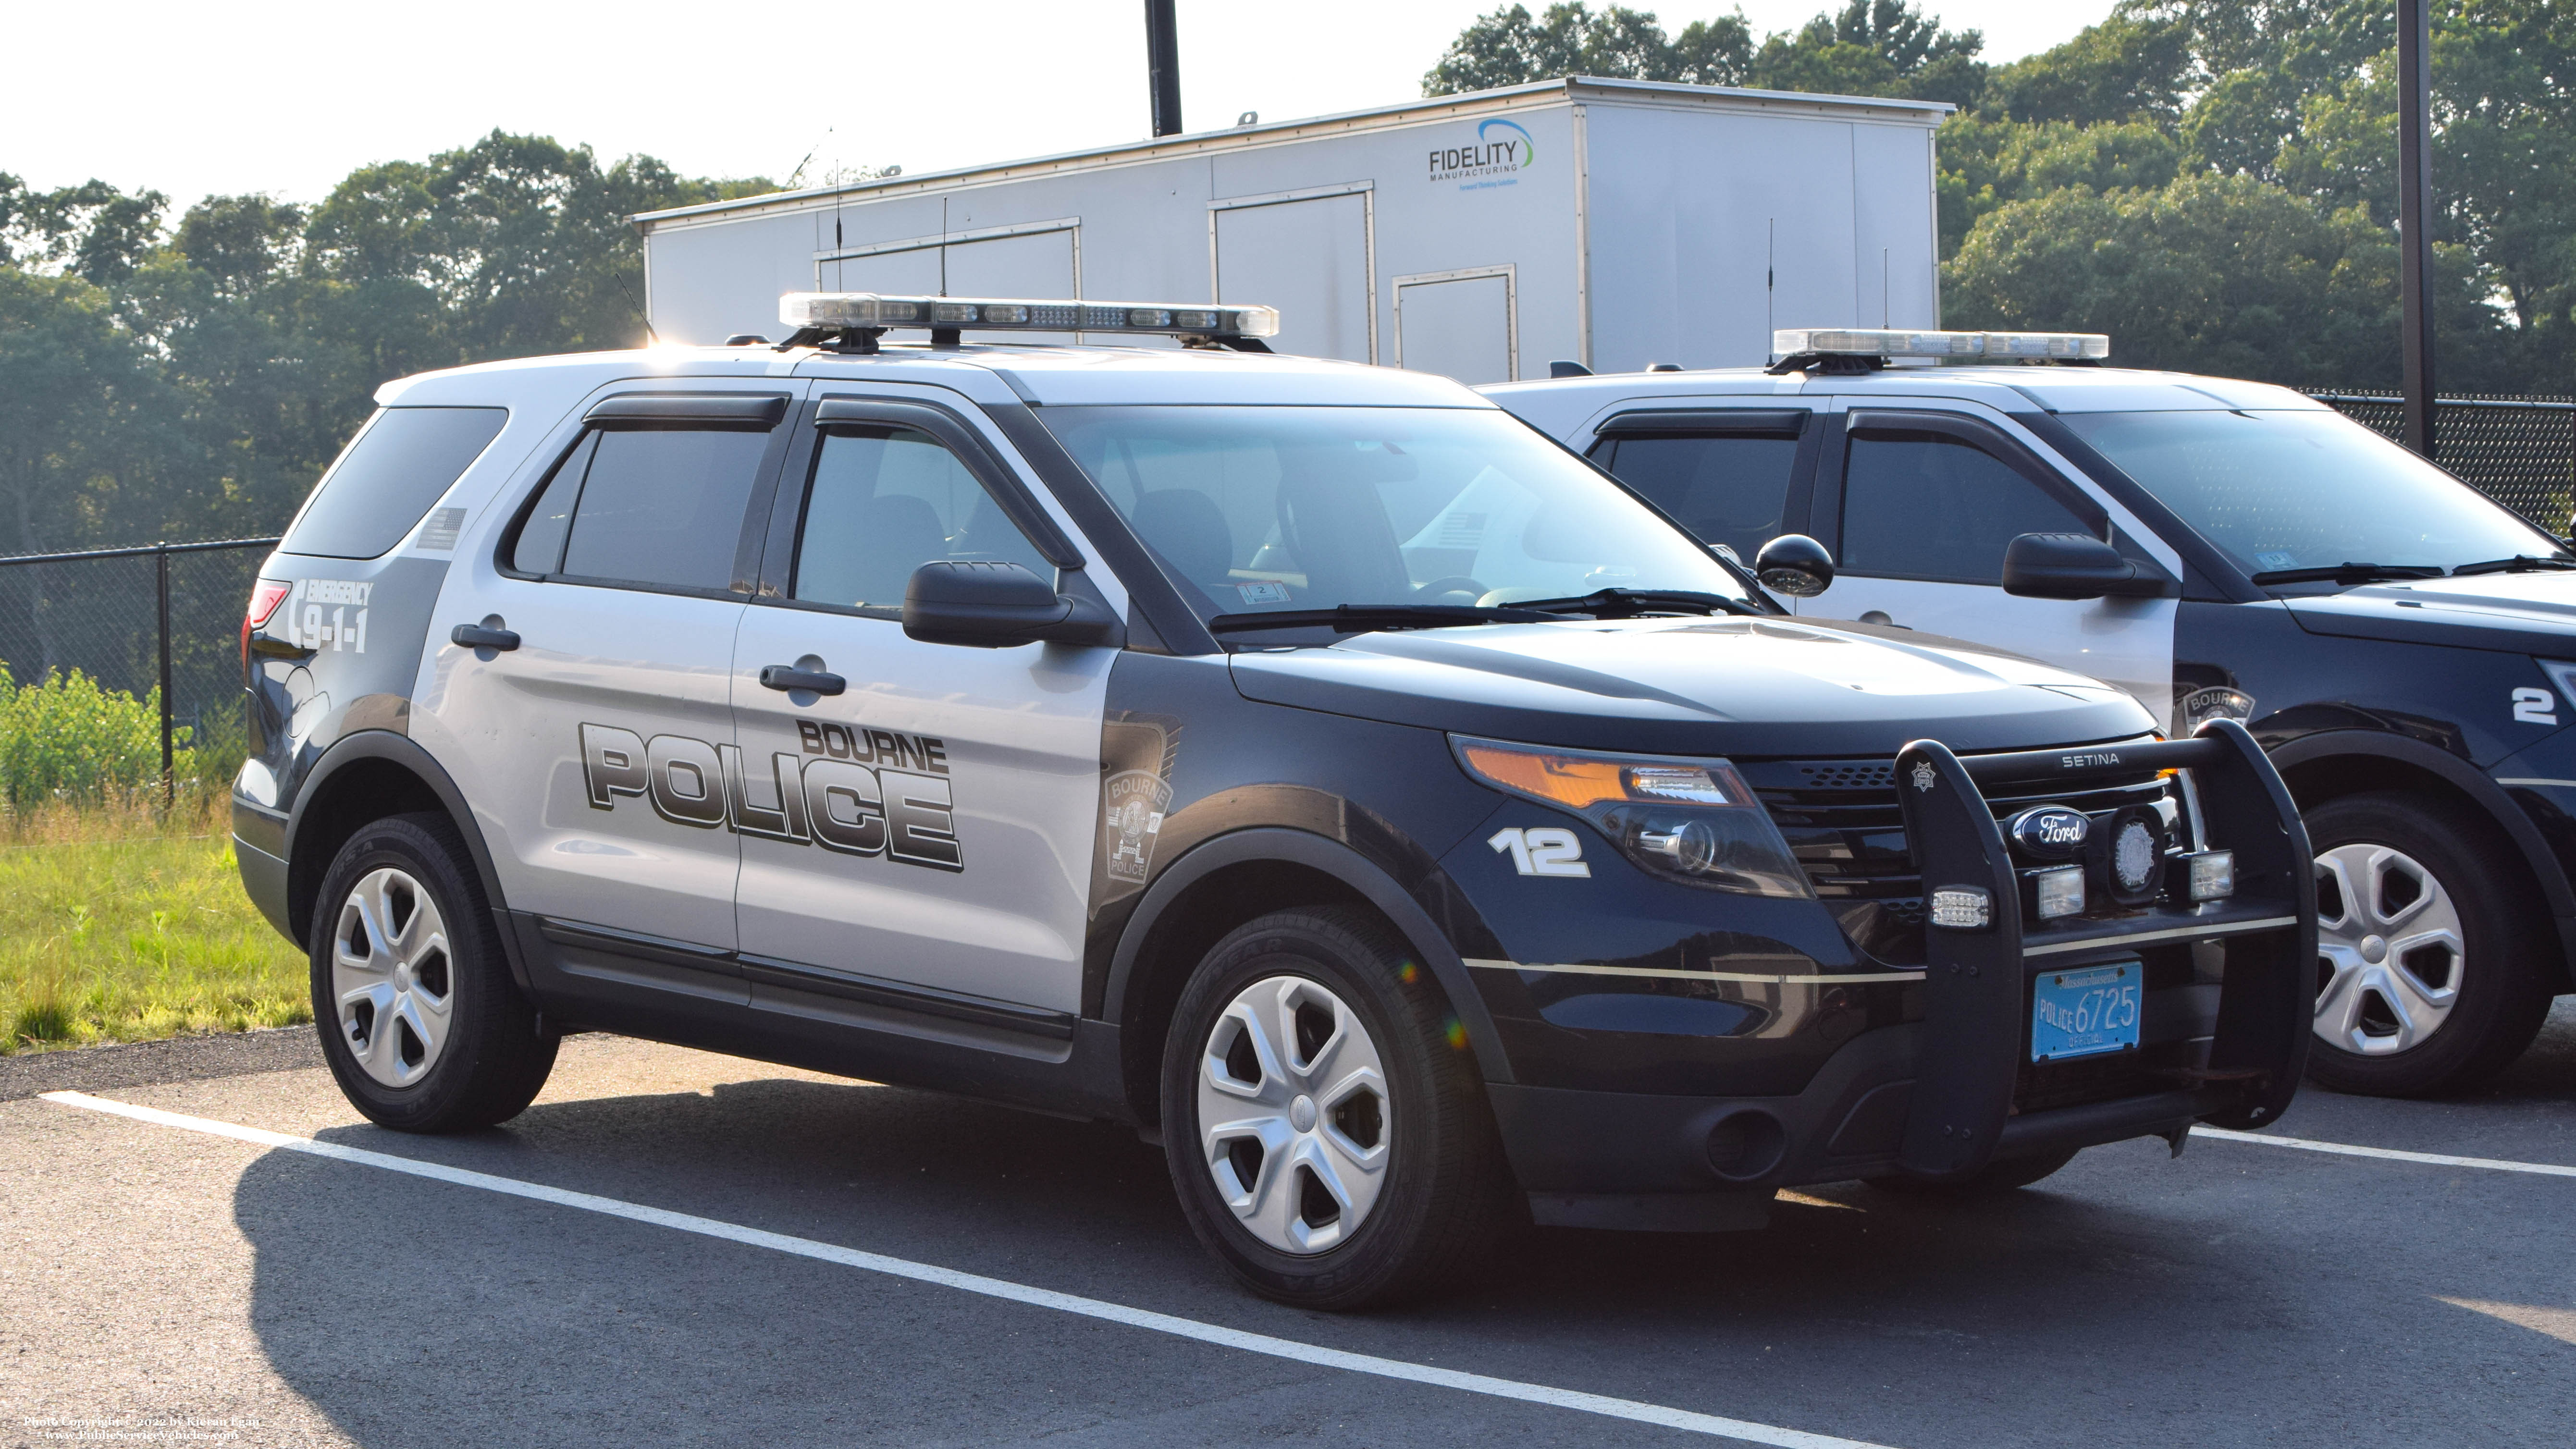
(1726,488)
(1928,506)
(885,501)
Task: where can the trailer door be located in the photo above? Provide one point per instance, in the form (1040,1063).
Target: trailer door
(1462,324)
(1310,255)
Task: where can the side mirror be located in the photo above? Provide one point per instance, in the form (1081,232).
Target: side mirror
(1796,565)
(2074,566)
(997,606)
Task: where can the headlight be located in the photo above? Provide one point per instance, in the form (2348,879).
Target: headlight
(1689,820)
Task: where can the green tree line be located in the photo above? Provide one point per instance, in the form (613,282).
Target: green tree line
(2212,182)
(189,376)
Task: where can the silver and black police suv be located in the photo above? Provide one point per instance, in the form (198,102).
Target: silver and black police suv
(1307,764)
(2403,647)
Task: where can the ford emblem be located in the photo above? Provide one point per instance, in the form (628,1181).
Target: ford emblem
(2051,832)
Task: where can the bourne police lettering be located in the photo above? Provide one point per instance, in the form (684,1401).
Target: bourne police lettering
(854,791)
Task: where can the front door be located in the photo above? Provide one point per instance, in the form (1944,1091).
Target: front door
(591,749)
(1919,519)
(930,825)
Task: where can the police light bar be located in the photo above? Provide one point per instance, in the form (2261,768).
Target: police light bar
(1882,342)
(804,311)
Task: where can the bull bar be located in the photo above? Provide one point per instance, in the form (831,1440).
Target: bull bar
(1976,982)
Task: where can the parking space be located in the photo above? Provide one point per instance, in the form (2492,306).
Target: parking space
(2243,1295)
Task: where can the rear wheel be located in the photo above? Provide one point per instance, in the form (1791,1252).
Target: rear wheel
(2430,975)
(1326,1134)
(420,1020)
(2003,1176)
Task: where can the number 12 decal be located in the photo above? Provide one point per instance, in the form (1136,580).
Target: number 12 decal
(1544,851)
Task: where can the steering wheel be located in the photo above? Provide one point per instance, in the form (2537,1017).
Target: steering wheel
(1454,584)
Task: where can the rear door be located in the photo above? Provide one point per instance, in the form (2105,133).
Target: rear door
(592,751)
(1731,475)
(1312,255)
(923,837)
(1918,506)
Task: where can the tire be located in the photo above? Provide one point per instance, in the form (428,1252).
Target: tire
(420,1020)
(1393,1114)
(2432,957)
(1997,1177)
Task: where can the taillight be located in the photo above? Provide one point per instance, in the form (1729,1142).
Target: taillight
(265,596)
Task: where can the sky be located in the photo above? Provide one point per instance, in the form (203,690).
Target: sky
(285,97)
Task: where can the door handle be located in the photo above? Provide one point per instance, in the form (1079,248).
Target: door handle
(788,676)
(487,635)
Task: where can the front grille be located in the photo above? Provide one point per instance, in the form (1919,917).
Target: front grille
(1843,822)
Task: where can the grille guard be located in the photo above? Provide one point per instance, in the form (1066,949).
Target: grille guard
(1975,1024)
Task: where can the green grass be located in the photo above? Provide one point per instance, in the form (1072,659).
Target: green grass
(124,923)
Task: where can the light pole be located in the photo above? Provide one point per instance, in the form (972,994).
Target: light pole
(1163,61)
(2415,218)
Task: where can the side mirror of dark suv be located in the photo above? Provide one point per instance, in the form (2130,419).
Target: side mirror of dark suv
(1796,565)
(2074,566)
(996,606)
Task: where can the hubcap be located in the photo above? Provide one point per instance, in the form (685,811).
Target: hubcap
(392,977)
(2389,952)
(1293,1115)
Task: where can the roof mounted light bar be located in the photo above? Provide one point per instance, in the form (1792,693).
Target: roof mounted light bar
(857,319)
(1865,349)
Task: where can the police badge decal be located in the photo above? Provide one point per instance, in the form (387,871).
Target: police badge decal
(1134,816)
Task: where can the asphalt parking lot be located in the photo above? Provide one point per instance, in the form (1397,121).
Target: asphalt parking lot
(166,1283)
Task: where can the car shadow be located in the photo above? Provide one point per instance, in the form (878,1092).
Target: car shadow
(420,1312)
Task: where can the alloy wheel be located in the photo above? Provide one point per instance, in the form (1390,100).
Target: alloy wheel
(392,977)
(2389,952)
(1293,1114)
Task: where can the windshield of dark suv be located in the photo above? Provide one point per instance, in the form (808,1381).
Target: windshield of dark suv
(2309,493)
(1256,510)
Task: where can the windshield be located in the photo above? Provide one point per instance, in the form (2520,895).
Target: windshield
(1263,509)
(2279,491)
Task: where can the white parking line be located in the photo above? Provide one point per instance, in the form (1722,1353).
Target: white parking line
(2429,1159)
(1260,1343)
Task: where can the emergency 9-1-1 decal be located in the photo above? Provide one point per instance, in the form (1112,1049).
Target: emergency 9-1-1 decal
(855,791)
(328,614)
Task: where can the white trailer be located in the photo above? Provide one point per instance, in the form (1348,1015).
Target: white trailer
(1615,223)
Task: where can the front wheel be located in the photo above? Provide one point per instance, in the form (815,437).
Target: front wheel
(422,1025)
(1328,1138)
(2429,959)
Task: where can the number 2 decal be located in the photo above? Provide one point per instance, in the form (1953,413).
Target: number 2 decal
(2534,706)
(1544,851)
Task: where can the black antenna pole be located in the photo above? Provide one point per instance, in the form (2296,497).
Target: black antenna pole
(1163,61)
(2414,219)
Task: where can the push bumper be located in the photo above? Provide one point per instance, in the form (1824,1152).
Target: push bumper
(1940,1098)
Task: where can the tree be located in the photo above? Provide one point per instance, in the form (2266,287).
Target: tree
(2126,68)
(1875,48)
(1509,48)
(2219,274)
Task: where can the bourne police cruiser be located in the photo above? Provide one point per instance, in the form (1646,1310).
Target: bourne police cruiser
(2222,550)
(1305,763)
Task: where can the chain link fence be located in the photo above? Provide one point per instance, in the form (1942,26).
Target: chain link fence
(2519,451)
(164,616)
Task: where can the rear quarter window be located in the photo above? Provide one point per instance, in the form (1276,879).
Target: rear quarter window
(398,467)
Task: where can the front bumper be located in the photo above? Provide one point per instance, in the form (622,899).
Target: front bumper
(1943,1097)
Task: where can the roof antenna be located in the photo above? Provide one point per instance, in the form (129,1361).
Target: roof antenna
(641,315)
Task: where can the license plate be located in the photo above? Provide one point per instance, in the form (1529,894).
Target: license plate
(2085,1013)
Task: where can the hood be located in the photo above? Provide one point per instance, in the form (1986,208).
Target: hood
(1750,687)
(2517,613)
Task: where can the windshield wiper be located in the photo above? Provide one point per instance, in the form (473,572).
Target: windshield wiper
(1629,603)
(2349,573)
(2519,563)
(1362,618)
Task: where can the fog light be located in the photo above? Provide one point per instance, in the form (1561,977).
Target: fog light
(2213,875)
(2061,892)
(1963,908)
